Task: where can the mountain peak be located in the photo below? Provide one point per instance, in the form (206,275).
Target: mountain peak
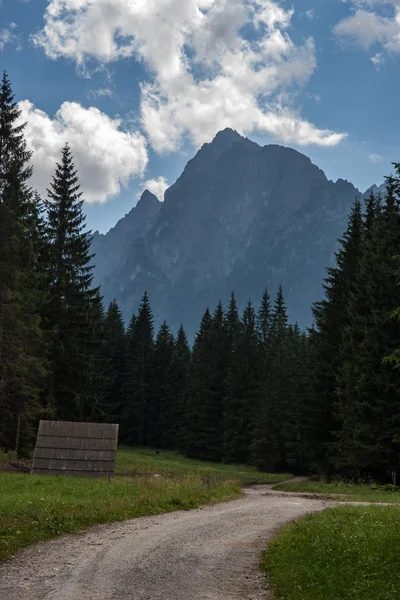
(228,135)
(148,198)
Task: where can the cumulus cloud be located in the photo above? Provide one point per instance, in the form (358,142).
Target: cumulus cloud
(367,25)
(106,157)
(375,158)
(155,186)
(204,74)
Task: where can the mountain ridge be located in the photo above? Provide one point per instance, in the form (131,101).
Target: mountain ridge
(241,216)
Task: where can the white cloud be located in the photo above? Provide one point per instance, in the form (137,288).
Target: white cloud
(375,158)
(155,186)
(369,27)
(106,157)
(7,36)
(378,59)
(203,74)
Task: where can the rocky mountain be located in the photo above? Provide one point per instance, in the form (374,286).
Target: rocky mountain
(110,249)
(240,217)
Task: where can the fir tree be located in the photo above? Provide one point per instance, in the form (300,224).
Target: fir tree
(115,351)
(182,358)
(243,392)
(74,310)
(162,410)
(269,449)
(331,318)
(211,421)
(367,407)
(139,374)
(22,349)
(198,386)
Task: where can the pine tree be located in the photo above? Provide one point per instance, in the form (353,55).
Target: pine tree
(198,386)
(22,345)
(182,359)
(269,449)
(115,356)
(264,320)
(368,440)
(139,375)
(211,420)
(332,318)
(74,309)
(161,410)
(243,392)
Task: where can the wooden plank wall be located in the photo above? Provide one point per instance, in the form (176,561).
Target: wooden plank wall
(68,448)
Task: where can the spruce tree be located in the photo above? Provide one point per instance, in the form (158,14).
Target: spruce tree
(162,409)
(74,310)
(367,406)
(269,449)
(243,392)
(115,351)
(214,398)
(198,386)
(264,320)
(139,375)
(22,345)
(182,358)
(331,319)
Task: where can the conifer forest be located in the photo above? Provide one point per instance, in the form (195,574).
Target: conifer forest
(253,388)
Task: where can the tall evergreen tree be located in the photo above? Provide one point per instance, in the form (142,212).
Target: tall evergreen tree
(161,410)
(198,386)
(367,409)
(332,318)
(139,374)
(74,310)
(115,356)
(242,391)
(269,450)
(211,420)
(22,366)
(181,370)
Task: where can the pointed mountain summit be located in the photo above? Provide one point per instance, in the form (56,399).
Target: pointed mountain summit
(240,217)
(110,248)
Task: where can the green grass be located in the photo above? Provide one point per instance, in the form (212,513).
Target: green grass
(346,492)
(37,508)
(145,461)
(344,553)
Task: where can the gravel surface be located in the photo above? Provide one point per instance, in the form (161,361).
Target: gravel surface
(212,553)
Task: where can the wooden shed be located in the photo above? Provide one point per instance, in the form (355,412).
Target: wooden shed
(68,448)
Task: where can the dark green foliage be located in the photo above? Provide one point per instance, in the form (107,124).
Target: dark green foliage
(181,373)
(115,357)
(74,311)
(162,404)
(332,317)
(243,390)
(22,344)
(139,375)
(198,386)
(368,441)
(269,450)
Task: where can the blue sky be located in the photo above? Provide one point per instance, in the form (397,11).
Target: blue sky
(136,86)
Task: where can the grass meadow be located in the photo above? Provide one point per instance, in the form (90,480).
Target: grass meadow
(38,508)
(343,553)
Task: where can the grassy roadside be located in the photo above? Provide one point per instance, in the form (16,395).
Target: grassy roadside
(346,492)
(37,508)
(144,461)
(344,553)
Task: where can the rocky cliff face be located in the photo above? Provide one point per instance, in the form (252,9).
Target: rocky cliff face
(240,217)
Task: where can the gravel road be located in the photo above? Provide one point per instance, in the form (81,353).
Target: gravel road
(212,553)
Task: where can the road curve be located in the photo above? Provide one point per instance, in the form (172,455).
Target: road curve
(212,553)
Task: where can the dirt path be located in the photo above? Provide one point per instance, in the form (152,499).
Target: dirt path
(212,553)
